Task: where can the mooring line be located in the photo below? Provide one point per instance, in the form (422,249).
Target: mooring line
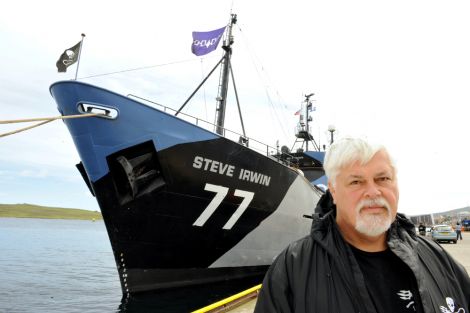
(44,120)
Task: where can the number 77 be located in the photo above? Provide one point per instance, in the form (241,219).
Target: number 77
(221,192)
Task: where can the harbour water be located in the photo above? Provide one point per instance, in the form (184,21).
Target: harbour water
(57,265)
(68,266)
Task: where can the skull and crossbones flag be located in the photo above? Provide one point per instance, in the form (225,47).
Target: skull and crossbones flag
(69,57)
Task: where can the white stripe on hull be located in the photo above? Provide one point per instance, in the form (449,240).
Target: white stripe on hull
(285,225)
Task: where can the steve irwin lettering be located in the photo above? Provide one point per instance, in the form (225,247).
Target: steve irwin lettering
(229,170)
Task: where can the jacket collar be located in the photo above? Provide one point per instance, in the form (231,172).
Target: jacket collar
(324,219)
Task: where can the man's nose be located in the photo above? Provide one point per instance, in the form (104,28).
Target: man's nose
(372,190)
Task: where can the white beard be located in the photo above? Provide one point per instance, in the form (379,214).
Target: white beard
(373,224)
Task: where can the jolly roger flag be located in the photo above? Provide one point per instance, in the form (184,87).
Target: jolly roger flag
(69,57)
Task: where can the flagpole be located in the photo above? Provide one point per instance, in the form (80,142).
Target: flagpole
(79,53)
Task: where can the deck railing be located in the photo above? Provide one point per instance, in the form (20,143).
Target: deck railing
(249,142)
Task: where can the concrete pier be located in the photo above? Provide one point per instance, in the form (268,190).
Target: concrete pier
(461,250)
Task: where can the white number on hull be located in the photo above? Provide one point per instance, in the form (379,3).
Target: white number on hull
(247,197)
(221,192)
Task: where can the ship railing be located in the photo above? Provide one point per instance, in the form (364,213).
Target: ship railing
(249,142)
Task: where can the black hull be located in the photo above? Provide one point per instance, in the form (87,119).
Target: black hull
(164,279)
(185,299)
(183,206)
(155,243)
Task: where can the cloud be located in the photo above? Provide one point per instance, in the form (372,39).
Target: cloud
(41,173)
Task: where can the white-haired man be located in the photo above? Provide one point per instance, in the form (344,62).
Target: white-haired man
(362,256)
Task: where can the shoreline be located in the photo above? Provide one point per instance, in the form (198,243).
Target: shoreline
(43,212)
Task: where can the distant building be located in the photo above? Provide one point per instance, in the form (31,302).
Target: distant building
(426,219)
(449,217)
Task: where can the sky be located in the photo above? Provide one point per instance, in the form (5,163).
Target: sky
(395,72)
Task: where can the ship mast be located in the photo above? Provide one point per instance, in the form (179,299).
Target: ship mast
(303,130)
(224,78)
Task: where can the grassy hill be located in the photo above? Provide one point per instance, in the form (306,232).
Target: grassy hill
(36,211)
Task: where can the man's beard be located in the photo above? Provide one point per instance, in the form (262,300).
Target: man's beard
(373,224)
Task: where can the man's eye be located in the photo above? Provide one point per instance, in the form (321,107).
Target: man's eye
(354,182)
(384,178)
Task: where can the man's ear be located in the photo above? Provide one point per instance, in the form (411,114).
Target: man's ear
(332,190)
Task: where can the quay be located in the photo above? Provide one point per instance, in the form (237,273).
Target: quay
(461,250)
(244,302)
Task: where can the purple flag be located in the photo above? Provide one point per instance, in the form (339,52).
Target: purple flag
(205,42)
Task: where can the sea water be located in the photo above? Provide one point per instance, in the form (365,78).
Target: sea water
(49,265)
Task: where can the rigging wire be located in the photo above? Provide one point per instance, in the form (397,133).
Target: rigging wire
(204,87)
(140,68)
(260,71)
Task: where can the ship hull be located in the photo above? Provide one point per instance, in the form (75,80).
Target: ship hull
(182,205)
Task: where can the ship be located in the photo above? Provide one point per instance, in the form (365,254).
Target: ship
(184,204)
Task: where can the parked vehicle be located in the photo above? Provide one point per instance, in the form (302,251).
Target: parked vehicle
(466,224)
(443,233)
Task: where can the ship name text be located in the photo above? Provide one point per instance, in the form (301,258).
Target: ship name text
(254,177)
(217,167)
(213,166)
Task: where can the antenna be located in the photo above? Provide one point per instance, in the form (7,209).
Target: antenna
(307,118)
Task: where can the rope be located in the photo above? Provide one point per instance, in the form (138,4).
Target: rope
(44,120)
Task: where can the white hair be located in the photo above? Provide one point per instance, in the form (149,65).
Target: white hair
(346,151)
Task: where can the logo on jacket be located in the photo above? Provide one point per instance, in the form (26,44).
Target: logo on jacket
(451,307)
(407,296)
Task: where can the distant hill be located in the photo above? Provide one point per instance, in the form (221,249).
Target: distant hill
(461,211)
(36,211)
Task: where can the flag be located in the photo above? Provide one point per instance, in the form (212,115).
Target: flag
(205,42)
(297,113)
(311,108)
(69,57)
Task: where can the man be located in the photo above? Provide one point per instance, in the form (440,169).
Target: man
(422,229)
(458,230)
(361,256)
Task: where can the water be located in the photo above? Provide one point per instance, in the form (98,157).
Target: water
(57,265)
(68,266)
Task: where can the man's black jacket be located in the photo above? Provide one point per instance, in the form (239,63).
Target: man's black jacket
(319,274)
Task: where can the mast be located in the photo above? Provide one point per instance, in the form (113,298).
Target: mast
(308,119)
(223,87)
(303,130)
